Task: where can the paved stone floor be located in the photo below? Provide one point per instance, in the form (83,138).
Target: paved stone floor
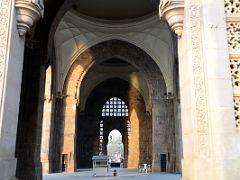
(125,174)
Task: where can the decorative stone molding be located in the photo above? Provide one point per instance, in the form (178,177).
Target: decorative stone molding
(235,71)
(236,101)
(201,109)
(173,12)
(233,31)
(232,7)
(5,14)
(28,12)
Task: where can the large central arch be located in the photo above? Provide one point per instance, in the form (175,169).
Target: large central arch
(199,132)
(157,94)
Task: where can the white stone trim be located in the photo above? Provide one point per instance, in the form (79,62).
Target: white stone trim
(201,110)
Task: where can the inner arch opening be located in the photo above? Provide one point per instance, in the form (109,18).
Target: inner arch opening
(115,148)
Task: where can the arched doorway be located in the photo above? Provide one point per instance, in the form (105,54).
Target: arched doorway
(157,102)
(196,80)
(114,107)
(115,148)
(65,89)
(109,107)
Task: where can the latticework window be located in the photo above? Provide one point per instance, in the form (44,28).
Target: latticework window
(232,9)
(101,138)
(115,107)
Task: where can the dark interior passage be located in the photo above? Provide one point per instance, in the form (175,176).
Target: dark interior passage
(89,120)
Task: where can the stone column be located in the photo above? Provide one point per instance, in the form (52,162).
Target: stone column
(11,62)
(55,149)
(171,133)
(159,137)
(69,132)
(178,136)
(46,126)
(210,140)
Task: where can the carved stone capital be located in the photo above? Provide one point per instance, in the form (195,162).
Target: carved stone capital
(60,95)
(173,12)
(28,12)
(48,98)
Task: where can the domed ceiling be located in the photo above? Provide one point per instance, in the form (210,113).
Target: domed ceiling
(115,9)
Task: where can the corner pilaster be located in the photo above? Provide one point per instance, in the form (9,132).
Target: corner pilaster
(208,127)
(11,61)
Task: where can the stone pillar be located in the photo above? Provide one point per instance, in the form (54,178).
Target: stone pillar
(11,61)
(178,136)
(172,11)
(216,139)
(69,132)
(159,137)
(134,144)
(46,126)
(171,133)
(55,149)
(211,145)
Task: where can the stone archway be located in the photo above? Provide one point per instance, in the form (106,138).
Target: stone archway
(115,146)
(137,58)
(137,143)
(202,133)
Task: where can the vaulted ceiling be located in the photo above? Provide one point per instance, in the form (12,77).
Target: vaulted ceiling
(115,9)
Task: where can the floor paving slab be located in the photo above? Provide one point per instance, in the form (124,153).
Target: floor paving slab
(122,174)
